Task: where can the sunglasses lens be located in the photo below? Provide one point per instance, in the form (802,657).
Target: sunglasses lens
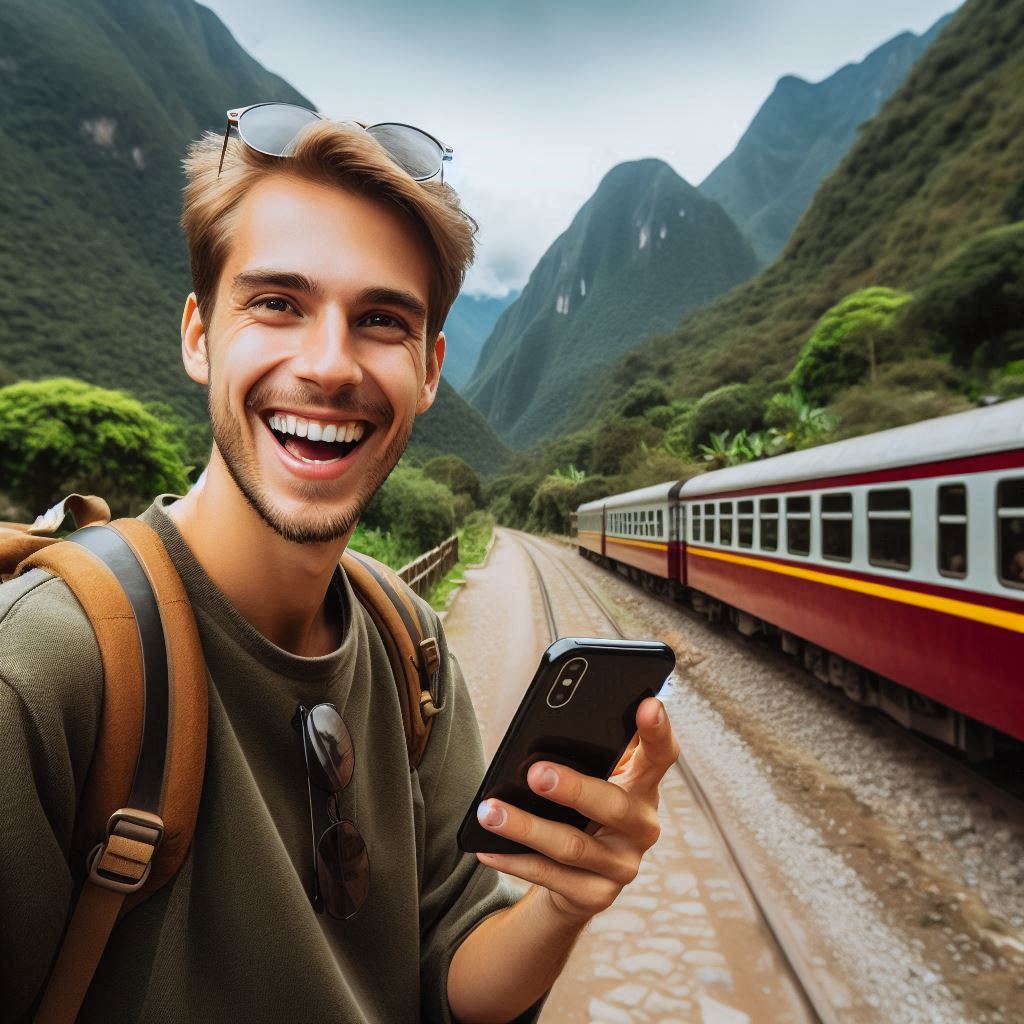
(343,870)
(332,743)
(272,128)
(414,151)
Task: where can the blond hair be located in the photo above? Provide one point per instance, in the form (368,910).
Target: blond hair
(329,153)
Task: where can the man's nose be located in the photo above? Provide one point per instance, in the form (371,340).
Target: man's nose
(329,356)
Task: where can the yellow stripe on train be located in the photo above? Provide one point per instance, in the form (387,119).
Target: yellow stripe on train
(1013,621)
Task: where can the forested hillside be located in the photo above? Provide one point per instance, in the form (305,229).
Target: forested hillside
(468,326)
(642,250)
(908,208)
(799,136)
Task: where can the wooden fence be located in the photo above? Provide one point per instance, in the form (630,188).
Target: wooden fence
(426,570)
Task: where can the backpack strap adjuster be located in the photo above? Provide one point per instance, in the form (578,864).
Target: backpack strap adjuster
(122,862)
(431,701)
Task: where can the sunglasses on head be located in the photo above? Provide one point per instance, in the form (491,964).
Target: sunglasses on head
(341,865)
(272,128)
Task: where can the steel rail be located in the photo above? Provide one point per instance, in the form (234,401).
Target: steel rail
(802,974)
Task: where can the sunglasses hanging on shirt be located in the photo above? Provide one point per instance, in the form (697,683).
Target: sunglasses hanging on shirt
(272,128)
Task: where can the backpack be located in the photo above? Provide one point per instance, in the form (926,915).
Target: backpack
(138,809)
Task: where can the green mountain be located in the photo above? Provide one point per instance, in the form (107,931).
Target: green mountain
(798,138)
(914,205)
(643,249)
(469,324)
(453,427)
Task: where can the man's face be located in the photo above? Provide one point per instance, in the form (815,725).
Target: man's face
(318,361)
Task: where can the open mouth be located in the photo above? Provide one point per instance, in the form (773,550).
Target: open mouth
(317,441)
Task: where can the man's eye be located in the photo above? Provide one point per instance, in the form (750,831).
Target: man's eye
(273,303)
(385,320)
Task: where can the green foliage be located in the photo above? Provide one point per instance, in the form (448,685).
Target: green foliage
(63,435)
(474,538)
(864,409)
(642,396)
(383,546)
(730,408)
(552,505)
(973,308)
(415,511)
(451,471)
(796,423)
(617,442)
(849,342)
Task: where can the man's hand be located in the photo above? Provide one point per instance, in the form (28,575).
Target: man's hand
(583,873)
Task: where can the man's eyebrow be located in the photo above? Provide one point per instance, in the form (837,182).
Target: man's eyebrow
(286,279)
(394,297)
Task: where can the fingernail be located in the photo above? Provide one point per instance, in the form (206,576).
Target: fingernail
(488,814)
(548,780)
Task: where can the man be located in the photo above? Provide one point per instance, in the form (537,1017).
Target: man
(321,280)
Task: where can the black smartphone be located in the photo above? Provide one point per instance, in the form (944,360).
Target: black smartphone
(580,711)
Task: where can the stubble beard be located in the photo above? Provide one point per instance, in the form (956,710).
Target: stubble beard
(318,525)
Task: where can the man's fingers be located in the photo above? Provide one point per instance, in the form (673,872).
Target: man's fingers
(658,749)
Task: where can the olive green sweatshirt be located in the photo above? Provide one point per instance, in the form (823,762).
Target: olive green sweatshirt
(233,936)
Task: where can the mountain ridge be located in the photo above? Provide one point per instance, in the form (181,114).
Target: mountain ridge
(609,280)
(799,135)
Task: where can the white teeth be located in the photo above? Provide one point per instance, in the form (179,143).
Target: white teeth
(315,430)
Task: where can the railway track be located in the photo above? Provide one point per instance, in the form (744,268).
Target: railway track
(802,973)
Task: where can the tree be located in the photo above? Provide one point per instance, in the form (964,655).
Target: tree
(456,475)
(63,435)
(728,409)
(795,423)
(848,343)
(412,508)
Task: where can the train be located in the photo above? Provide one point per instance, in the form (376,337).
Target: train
(892,564)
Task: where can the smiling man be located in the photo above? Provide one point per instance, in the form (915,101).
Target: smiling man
(322,279)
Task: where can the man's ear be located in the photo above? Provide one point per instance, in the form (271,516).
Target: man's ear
(435,357)
(193,342)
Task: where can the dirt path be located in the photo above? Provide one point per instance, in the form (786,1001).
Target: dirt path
(683,942)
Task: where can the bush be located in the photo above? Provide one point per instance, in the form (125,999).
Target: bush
(456,475)
(642,396)
(63,435)
(734,407)
(863,410)
(854,333)
(509,497)
(616,447)
(415,511)
(975,301)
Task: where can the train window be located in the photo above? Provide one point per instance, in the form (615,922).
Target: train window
(769,508)
(745,524)
(1010,511)
(953,530)
(798,525)
(695,519)
(661,523)
(725,523)
(837,527)
(709,522)
(889,528)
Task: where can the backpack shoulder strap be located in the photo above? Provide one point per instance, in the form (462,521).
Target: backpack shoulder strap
(141,797)
(412,648)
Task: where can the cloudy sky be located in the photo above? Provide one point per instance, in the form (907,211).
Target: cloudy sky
(539,100)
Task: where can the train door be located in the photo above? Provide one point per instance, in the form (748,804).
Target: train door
(677,536)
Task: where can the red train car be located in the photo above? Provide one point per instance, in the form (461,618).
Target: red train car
(893,563)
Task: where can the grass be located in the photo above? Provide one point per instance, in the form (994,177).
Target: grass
(474,540)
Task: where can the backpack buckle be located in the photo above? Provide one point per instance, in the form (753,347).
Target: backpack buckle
(123,861)
(431,700)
